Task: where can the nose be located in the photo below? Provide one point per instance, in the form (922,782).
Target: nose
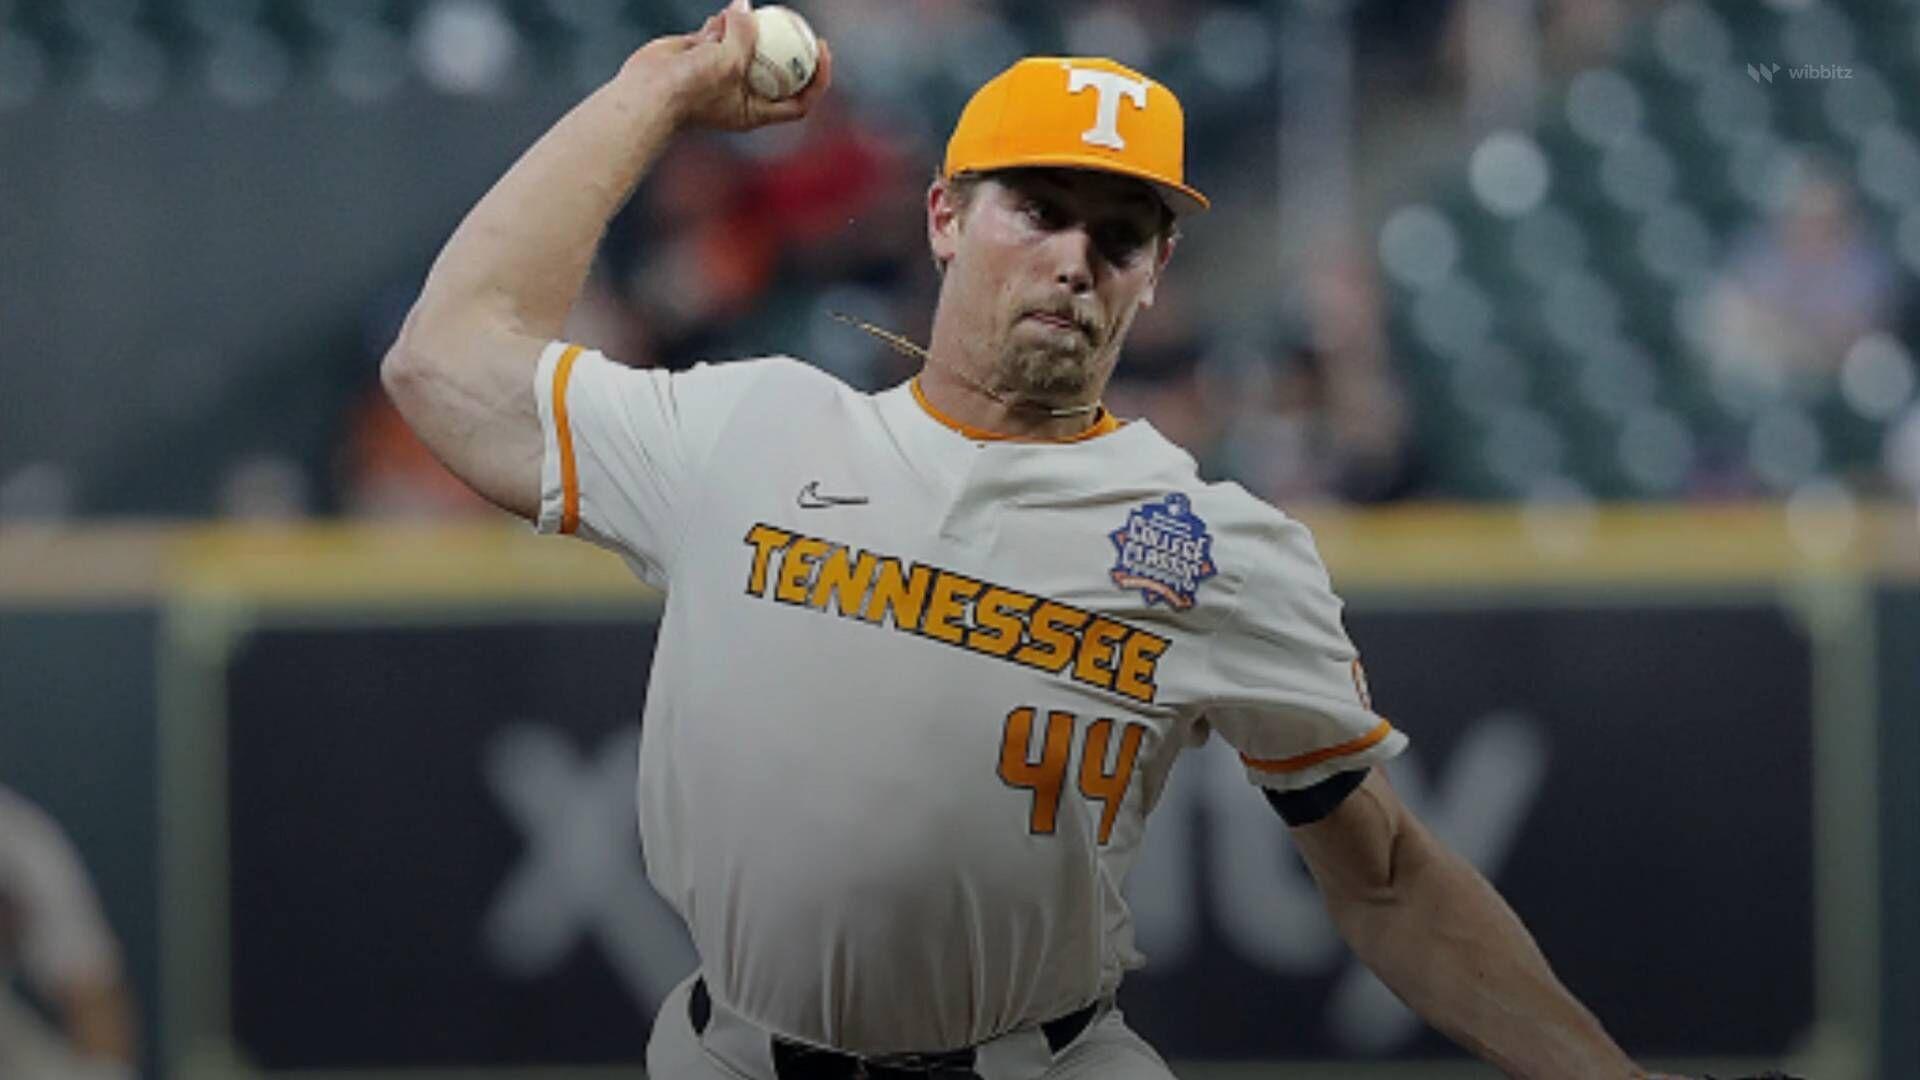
(1074,257)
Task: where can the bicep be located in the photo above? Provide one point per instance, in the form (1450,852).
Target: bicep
(469,395)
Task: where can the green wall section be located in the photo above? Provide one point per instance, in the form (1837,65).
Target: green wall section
(78,703)
(78,734)
(1898,616)
(209,299)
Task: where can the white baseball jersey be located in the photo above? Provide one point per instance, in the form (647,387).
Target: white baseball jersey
(916,689)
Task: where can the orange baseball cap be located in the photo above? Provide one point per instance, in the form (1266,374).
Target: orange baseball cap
(1076,113)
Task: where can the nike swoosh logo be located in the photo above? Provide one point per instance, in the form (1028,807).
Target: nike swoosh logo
(811,498)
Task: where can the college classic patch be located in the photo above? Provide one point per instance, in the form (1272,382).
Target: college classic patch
(1164,551)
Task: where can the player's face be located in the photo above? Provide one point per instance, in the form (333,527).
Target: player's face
(1045,271)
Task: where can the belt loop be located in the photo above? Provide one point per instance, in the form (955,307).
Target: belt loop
(726,1037)
(700,1006)
(1062,1030)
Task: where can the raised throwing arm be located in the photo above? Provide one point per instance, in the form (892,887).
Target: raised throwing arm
(461,371)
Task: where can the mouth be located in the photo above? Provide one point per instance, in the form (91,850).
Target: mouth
(1063,321)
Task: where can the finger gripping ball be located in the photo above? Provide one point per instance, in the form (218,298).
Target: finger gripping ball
(785,55)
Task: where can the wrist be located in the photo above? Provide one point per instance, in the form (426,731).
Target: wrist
(650,91)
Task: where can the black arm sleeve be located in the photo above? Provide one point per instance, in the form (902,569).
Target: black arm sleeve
(1310,804)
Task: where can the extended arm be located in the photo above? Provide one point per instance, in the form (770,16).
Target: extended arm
(1439,935)
(462,370)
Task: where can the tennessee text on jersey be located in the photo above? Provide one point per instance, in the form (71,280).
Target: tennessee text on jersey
(979,616)
(1164,551)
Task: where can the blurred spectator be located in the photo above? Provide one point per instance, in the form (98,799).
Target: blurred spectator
(1366,413)
(1903,454)
(709,254)
(1576,34)
(1325,419)
(1493,51)
(54,939)
(1158,378)
(838,173)
(1276,440)
(1801,288)
(846,202)
(738,233)
(1304,431)
(1489,43)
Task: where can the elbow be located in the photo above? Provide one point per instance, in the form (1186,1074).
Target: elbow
(403,361)
(407,368)
(402,375)
(434,334)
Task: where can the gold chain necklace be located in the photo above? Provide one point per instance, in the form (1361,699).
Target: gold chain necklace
(902,345)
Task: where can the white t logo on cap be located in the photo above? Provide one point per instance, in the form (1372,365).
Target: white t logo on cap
(1111,87)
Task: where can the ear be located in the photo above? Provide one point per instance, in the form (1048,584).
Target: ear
(1171,241)
(943,222)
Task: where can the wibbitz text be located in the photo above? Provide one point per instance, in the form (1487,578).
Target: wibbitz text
(1766,72)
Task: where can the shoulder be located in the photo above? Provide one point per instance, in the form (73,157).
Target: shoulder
(1273,582)
(776,368)
(1250,543)
(705,397)
(1234,516)
(742,375)
(1255,531)
(777,378)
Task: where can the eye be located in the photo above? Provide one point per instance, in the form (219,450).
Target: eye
(1043,214)
(1121,243)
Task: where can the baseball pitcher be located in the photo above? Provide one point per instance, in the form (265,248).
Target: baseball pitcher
(928,655)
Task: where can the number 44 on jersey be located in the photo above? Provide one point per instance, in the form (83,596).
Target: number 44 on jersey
(1046,776)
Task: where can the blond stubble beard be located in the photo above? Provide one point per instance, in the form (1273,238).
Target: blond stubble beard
(1043,373)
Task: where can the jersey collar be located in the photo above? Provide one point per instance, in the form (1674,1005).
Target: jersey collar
(1104,423)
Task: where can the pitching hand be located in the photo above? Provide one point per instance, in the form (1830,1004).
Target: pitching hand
(704,75)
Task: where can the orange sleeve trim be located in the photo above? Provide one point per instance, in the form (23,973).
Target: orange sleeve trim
(563,434)
(1104,423)
(1315,757)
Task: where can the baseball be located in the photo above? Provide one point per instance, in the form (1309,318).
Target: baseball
(785,55)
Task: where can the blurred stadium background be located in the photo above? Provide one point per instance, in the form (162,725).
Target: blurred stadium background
(1582,330)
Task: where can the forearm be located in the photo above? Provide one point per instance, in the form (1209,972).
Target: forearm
(522,254)
(1450,947)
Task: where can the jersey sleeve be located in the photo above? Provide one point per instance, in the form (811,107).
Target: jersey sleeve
(1290,695)
(625,448)
(64,936)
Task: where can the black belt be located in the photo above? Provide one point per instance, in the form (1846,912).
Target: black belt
(798,1061)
